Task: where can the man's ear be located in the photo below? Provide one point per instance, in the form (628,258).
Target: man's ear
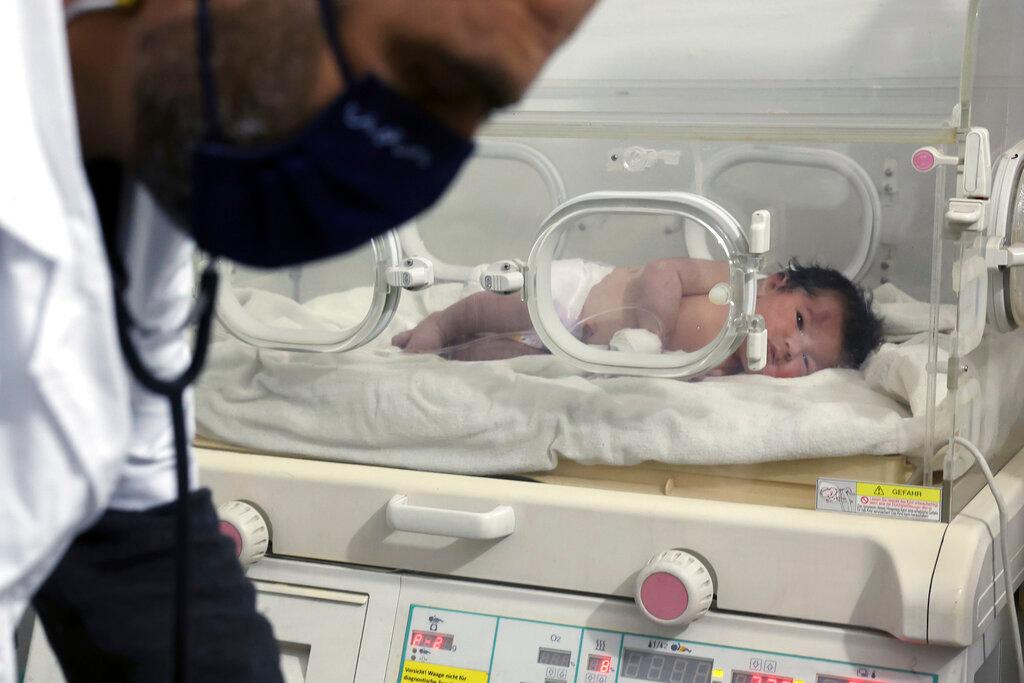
(773,282)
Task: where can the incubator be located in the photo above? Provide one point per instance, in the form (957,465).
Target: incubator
(617,489)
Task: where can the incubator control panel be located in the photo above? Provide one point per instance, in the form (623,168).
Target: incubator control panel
(468,647)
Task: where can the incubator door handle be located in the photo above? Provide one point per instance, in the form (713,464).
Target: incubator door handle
(498,523)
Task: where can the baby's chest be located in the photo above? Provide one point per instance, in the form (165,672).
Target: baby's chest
(698,323)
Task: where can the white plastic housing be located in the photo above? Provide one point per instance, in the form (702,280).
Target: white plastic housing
(757,350)
(503,277)
(1005,230)
(977,164)
(760,232)
(493,524)
(415,273)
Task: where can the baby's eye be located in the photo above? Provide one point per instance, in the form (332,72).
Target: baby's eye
(799,321)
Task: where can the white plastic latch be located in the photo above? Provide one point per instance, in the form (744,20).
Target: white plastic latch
(415,273)
(963,215)
(998,254)
(503,277)
(757,345)
(925,159)
(760,236)
(977,164)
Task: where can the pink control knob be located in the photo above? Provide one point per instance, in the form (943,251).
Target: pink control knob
(234,535)
(247,529)
(925,159)
(674,588)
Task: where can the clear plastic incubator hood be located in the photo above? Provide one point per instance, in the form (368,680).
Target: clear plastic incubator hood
(696,150)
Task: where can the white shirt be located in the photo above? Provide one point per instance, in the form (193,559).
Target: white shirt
(159,259)
(65,412)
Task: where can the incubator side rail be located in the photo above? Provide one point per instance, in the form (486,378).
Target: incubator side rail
(791,483)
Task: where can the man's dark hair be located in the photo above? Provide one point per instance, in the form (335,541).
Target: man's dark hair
(862,329)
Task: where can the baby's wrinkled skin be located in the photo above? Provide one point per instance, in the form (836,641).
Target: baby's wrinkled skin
(668,298)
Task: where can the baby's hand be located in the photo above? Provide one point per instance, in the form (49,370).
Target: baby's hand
(731,366)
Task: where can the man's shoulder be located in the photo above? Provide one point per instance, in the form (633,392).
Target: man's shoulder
(42,188)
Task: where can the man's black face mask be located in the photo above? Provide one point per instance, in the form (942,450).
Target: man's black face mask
(369,162)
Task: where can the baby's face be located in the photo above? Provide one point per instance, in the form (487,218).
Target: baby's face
(804,331)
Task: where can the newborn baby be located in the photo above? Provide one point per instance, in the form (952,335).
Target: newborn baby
(816,318)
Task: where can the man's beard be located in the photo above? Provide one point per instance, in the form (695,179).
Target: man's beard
(265,60)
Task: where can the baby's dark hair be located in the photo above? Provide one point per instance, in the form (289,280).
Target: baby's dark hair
(862,329)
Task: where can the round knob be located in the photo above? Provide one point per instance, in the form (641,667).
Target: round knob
(674,588)
(636,159)
(246,527)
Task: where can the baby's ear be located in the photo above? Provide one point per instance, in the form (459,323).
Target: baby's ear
(773,282)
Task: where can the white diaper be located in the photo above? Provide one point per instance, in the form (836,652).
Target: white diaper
(571,282)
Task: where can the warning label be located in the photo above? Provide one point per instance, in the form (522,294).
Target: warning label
(422,672)
(882,500)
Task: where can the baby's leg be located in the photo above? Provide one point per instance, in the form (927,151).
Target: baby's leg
(477,314)
(492,348)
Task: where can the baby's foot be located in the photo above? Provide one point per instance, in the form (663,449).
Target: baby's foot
(426,337)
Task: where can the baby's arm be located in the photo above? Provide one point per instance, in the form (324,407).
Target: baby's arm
(485,313)
(664,283)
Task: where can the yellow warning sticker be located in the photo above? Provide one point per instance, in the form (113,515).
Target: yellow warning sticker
(925,493)
(424,672)
(922,503)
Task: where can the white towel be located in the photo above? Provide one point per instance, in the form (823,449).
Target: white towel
(901,371)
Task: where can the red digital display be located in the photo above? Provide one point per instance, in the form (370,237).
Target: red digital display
(602,664)
(432,640)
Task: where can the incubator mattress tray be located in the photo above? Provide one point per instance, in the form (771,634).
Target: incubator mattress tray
(788,483)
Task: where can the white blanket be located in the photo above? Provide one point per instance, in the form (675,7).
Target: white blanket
(904,316)
(379,406)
